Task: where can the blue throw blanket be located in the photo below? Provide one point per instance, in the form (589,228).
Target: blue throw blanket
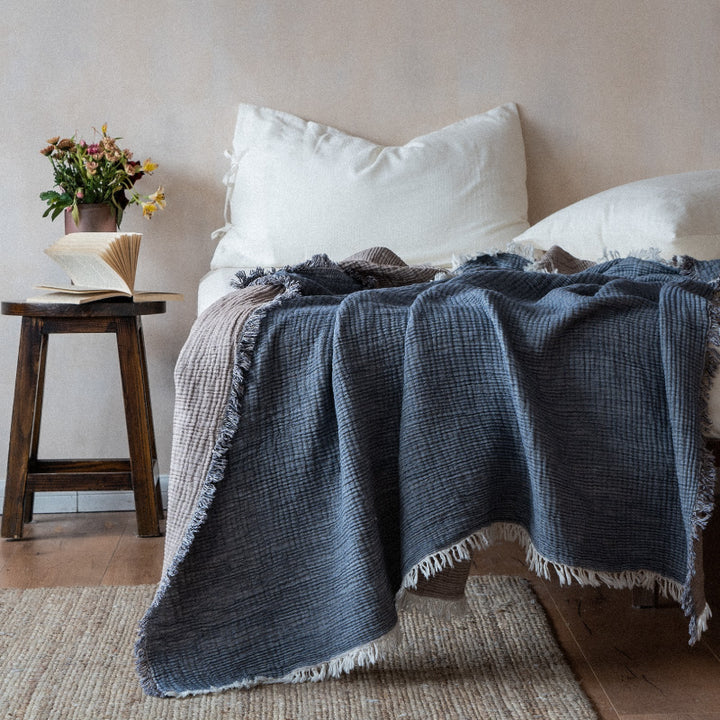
(372,432)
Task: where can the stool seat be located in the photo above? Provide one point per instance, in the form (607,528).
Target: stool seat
(27,474)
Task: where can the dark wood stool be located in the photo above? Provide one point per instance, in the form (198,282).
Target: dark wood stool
(26,474)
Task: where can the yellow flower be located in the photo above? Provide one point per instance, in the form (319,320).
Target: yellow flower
(104,128)
(158,197)
(148,166)
(148,210)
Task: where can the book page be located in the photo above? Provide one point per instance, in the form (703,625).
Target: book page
(74,295)
(90,270)
(74,298)
(99,260)
(78,289)
(122,254)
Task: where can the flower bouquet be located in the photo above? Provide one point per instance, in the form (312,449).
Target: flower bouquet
(98,172)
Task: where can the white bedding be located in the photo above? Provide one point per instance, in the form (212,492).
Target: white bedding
(216,283)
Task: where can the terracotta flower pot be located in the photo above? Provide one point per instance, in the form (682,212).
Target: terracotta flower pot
(94,217)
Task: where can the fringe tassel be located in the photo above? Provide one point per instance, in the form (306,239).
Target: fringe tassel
(650,253)
(363,656)
(546,568)
(702,621)
(524,248)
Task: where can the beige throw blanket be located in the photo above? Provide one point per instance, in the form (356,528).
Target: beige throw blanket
(203,376)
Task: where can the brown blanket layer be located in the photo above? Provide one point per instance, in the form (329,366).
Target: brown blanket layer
(203,376)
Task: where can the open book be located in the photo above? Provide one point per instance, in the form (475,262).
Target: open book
(101,265)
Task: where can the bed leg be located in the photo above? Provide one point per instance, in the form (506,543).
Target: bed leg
(645,597)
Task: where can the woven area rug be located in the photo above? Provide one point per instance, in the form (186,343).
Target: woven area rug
(68,653)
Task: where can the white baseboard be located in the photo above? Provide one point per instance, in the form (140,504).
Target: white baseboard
(90,501)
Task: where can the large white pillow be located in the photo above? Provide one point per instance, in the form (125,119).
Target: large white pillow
(675,214)
(297,188)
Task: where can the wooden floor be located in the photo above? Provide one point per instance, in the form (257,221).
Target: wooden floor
(634,664)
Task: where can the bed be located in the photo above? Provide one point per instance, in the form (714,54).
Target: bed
(425,374)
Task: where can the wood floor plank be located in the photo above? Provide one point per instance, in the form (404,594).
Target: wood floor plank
(641,657)
(57,550)
(632,663)
(575,654)
(136,560)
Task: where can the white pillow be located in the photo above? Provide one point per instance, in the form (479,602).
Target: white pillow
(297,188)
(675,214)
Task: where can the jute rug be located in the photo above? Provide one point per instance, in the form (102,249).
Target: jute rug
(67,654)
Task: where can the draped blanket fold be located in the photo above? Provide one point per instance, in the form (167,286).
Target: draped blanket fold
(374,436)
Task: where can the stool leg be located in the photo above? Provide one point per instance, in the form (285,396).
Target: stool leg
(25,422)
(137,417)
(37,415)
(151,424)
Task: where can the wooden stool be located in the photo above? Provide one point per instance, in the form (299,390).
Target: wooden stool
(26,474)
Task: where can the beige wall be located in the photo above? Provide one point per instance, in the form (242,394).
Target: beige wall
(610,91)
